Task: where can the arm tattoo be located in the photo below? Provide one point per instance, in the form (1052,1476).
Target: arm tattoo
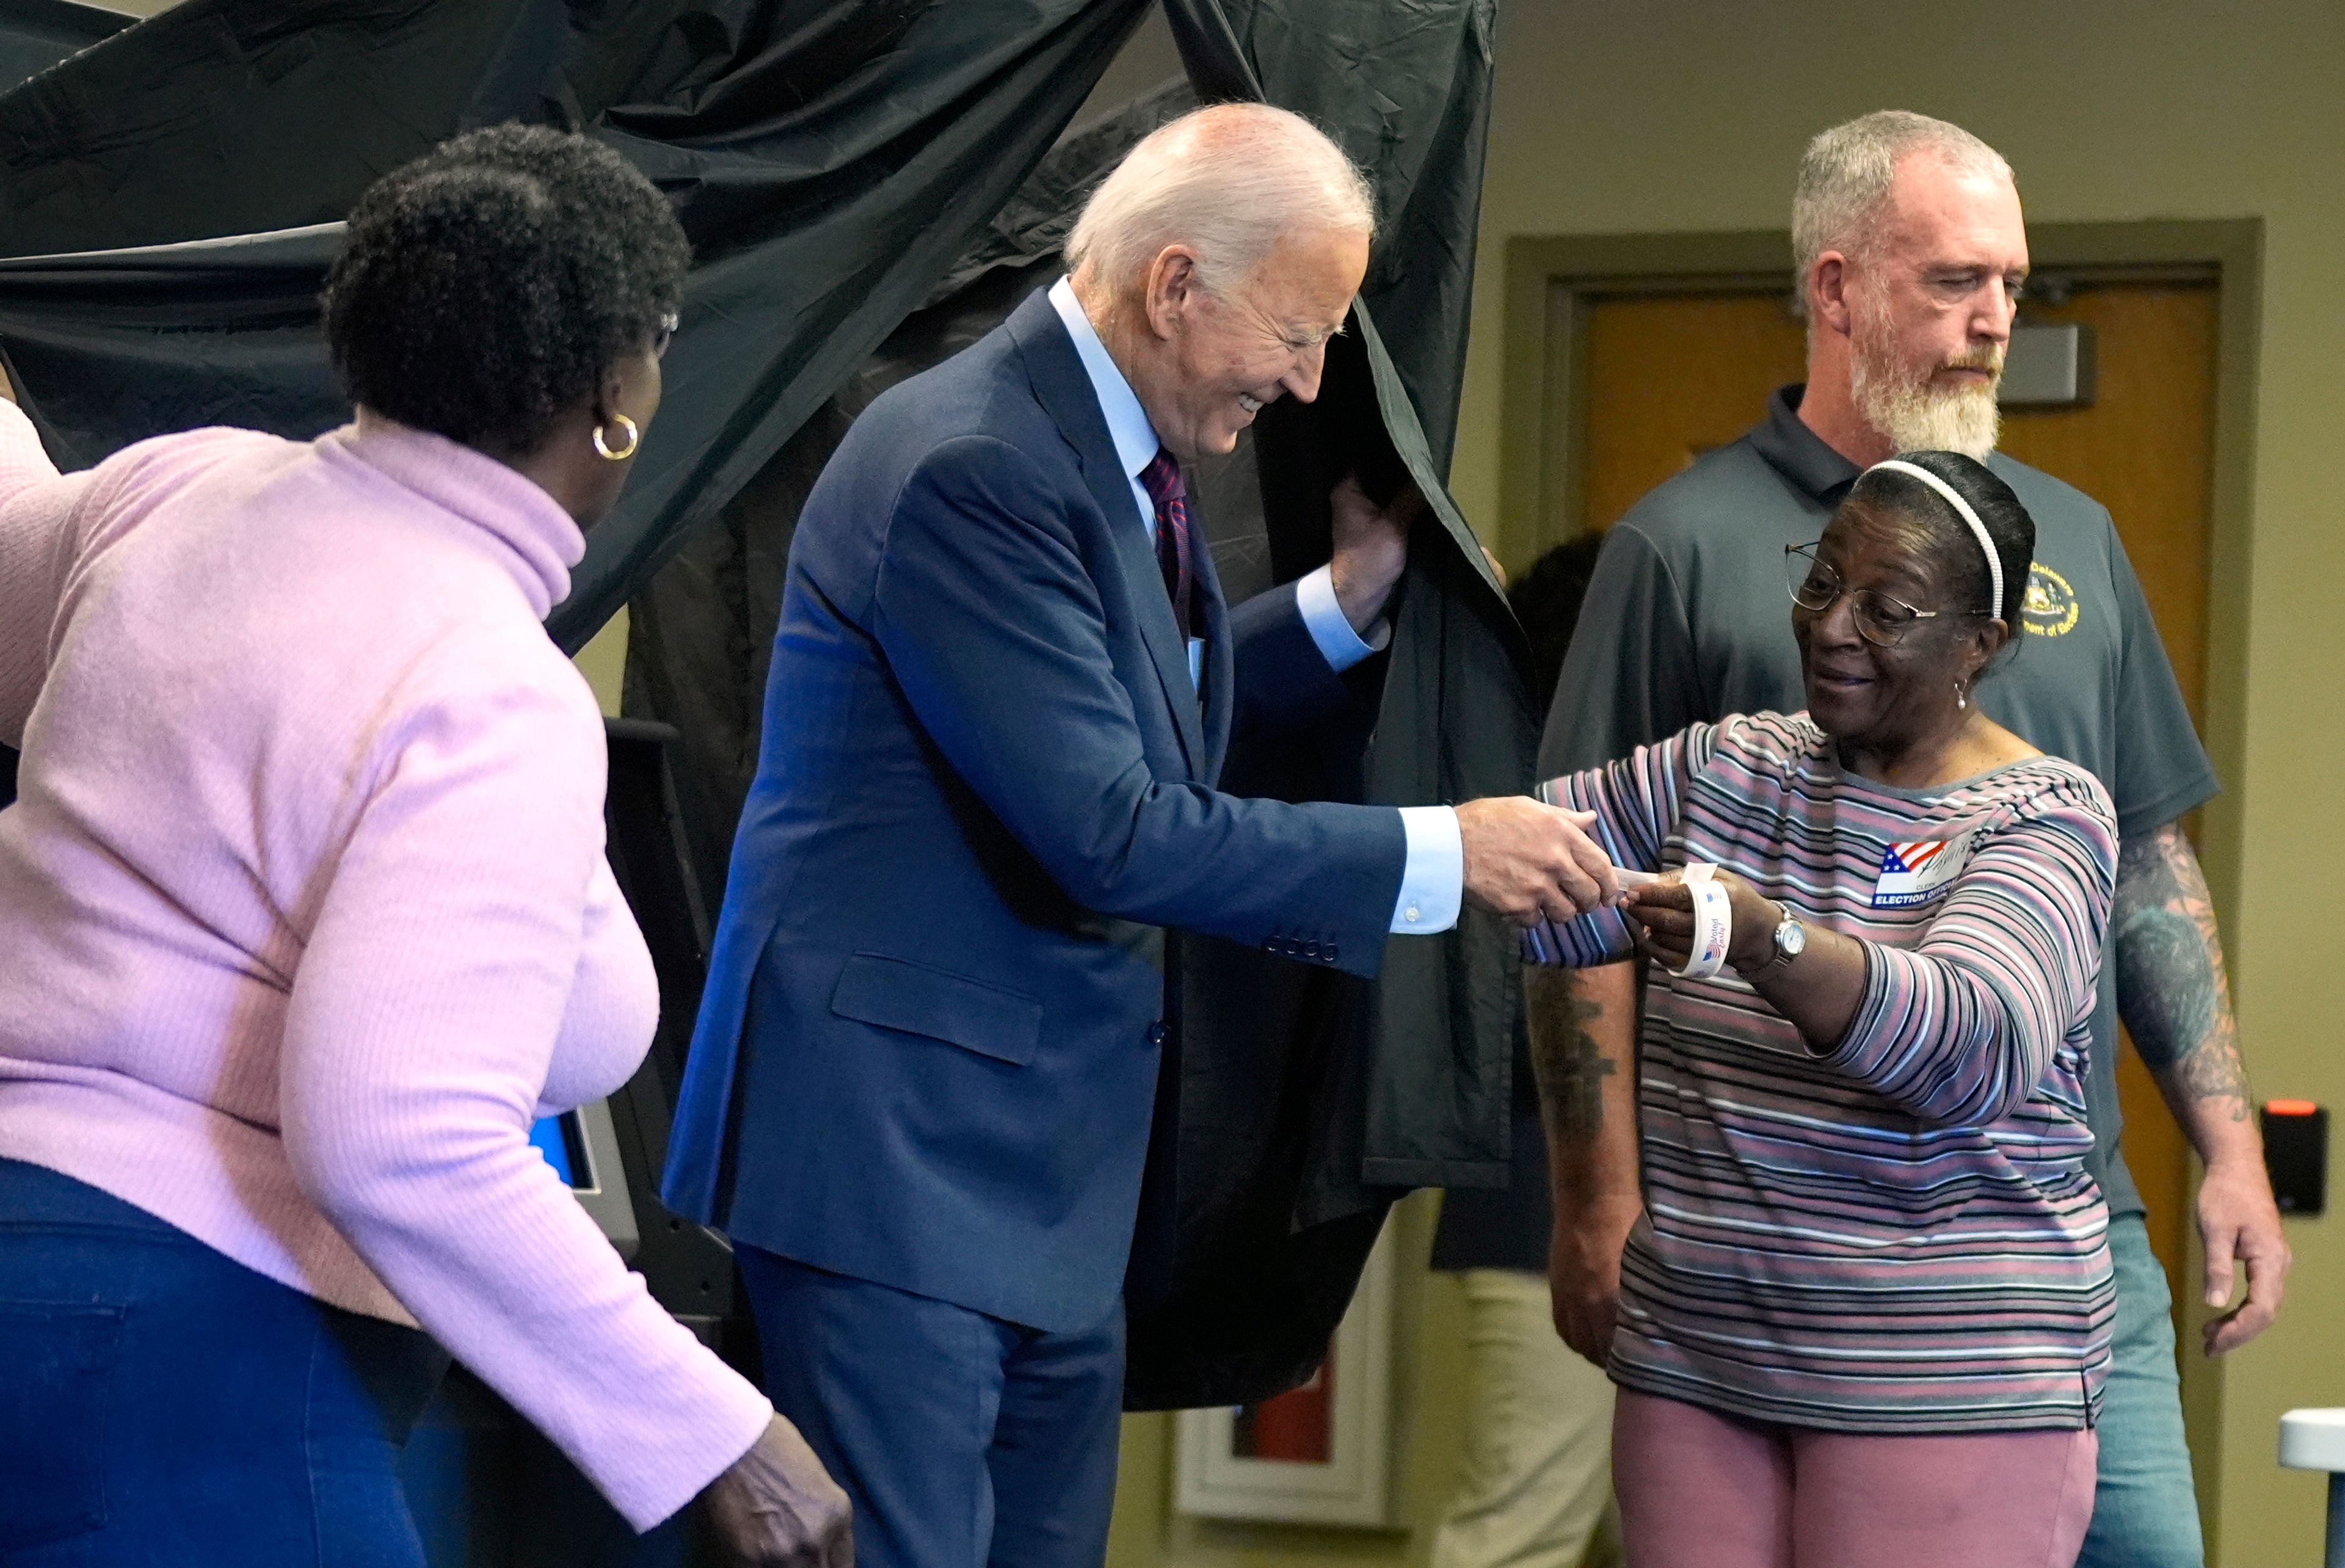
(1570,1066)
(2169,959)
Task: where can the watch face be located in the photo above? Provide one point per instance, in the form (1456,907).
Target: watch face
(1790,938)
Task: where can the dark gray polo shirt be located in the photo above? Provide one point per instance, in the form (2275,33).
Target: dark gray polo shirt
(1688,619)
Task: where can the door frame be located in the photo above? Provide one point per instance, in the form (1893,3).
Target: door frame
(1552,282)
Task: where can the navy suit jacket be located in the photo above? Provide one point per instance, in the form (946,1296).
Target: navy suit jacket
(927,1054)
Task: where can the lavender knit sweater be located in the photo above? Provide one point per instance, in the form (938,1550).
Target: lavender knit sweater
(304,915)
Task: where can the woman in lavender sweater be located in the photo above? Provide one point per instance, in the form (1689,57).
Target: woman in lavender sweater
(304,919)
(1865,1318)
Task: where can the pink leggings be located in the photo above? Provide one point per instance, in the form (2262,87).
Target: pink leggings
(1704,1490)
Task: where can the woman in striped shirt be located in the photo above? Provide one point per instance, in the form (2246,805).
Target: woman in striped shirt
(1865,1318)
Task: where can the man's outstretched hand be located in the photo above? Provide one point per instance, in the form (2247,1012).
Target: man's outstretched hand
(1530,862)
(1371,546)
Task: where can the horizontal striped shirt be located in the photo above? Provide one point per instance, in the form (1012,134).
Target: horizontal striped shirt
(1897,1234)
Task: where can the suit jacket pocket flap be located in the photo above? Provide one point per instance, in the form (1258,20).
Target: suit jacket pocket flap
(896,994)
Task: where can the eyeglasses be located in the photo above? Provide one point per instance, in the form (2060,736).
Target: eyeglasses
(1816,586)
(664,334)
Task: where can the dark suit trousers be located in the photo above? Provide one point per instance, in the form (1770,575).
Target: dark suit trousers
(962,1440)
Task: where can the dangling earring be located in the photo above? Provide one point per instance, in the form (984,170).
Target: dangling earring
(634,439)
(1962,698)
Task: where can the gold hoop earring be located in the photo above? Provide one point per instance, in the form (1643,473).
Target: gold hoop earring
(635,440)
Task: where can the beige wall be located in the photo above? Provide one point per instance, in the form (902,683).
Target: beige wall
(1675,116)
(603,660)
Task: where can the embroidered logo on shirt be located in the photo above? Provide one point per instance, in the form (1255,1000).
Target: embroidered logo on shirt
(2048,608)
(1918,871)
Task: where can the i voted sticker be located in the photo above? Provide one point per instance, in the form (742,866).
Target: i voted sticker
(1917,871)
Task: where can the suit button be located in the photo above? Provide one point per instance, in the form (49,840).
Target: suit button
(1155,1034)
(1310,949)
(1330,953)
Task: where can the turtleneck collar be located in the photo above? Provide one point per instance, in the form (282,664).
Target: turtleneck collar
(541,542)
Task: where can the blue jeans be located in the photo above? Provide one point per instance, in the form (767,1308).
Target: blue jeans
(2145,1513)
(162,1404)
(961,1440)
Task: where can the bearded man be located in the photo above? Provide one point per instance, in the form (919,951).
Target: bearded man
(1911,251)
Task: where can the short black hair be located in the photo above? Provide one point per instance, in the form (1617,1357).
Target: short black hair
(2006,520)
(486,287)
(1546,599)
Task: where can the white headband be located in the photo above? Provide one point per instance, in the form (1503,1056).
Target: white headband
(1962,510)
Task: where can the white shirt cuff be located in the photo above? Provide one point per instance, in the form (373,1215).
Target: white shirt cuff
(1331,629)
(1433,883)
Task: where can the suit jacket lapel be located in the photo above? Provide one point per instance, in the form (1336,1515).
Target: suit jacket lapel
(1065,389)
(1220,663)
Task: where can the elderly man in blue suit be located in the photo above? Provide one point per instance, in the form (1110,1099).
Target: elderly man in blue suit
(1003,683)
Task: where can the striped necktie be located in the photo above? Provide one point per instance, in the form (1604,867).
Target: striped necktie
(1162,479)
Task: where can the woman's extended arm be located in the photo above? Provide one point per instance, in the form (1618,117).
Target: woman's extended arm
(1961,1028)
(438,964)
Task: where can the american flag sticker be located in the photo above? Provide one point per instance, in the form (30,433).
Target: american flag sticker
(1918,871)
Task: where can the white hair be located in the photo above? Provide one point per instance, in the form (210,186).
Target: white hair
(1845,175)
(1228,182)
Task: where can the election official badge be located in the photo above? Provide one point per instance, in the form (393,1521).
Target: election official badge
(1918,871)
(2049,607)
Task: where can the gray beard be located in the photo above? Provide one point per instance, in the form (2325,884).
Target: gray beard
(1915,417)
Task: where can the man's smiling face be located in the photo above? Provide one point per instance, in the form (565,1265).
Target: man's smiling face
(1222,355)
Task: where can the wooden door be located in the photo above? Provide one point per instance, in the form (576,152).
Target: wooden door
(1671,375)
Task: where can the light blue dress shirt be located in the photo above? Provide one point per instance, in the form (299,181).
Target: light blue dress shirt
(1433,883)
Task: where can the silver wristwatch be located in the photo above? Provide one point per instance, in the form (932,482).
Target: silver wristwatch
(1790,940)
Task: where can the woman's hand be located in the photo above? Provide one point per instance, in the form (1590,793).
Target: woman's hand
(1665,910)
(778,1508)
(1818,992)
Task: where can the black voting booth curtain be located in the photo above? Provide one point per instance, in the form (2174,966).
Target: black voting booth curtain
(828,161)
(868,187)
(37,34)
(1405,1082)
